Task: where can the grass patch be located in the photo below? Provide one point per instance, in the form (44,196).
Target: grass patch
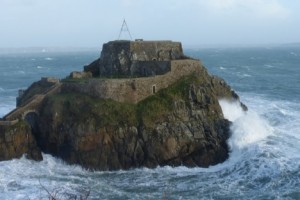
(81,108)
(157,107)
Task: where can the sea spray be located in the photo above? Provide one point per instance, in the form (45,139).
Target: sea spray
(247,127)
(232,110)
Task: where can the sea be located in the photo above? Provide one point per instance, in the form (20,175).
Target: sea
(264,161)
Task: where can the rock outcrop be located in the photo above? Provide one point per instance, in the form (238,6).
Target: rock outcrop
(168,115)
(180,125)
(18,140)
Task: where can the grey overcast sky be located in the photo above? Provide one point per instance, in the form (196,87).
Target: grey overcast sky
(89,23)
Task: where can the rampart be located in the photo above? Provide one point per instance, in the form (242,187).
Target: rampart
(133,90)
(31,105)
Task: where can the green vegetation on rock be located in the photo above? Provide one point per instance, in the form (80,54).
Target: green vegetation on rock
(107,112)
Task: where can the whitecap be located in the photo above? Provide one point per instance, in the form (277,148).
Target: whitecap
(269,66)
(222,68)
(39,67)
(246,75)
(248,129)
(48,58)
(21,72)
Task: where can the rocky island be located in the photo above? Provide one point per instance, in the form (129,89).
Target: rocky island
(141,104)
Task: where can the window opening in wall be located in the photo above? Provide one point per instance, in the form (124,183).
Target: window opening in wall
(153,89)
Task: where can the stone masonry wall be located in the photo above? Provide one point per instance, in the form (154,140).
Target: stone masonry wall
(123,57)
(155,50)
(133,90)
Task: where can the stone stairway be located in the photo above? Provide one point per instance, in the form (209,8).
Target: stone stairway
(31,105)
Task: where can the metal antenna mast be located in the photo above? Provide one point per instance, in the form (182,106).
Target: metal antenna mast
(124,28)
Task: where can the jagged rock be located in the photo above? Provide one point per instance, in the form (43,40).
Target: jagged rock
(17,140)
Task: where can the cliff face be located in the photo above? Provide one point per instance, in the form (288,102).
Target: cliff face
(17,140)
(180,125)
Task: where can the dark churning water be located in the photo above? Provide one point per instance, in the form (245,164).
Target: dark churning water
(264,161)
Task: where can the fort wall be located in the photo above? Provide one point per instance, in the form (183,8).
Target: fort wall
(155,50)
(133,90)
(127,57)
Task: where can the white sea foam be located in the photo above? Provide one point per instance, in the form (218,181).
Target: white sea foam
(269,66)
(247,128)
(231,110)
(27,177)
(48,58)
(246,75)
(21,72)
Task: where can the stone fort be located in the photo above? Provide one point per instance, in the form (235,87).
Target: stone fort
(130,71)
(127,71)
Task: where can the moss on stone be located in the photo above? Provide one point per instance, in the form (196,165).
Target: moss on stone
(85,108)
(107,112)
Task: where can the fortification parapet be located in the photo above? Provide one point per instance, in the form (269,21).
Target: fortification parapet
(133,90)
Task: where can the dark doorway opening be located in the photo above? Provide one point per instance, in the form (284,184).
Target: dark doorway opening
(153,89)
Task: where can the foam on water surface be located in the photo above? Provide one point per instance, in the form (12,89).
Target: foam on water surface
(247,128)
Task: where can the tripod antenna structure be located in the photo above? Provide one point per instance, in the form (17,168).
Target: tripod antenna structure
(124,28)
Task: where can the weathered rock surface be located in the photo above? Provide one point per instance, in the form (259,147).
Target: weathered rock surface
(18,140)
